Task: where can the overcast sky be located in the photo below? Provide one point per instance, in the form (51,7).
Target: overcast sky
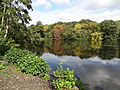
(51,11)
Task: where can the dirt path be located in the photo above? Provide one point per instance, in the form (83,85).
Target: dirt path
(13,79)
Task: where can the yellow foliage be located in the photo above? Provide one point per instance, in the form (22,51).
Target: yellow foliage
(46,50)
(45,28)
(84,26)
(97,36)
(77,26)
(96,44)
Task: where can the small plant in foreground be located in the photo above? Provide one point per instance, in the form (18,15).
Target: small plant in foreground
(1,66)
(14,54)
(46,77)
(64,79)
(33,64)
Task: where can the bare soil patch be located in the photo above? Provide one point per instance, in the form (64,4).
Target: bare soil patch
(11,78)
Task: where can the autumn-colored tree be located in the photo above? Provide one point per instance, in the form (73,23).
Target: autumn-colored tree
(97,36)
(57,47)
(57,32)
(84,26)
(45,28)
(77,26)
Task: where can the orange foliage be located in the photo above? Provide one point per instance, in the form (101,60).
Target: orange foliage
(45,28)
(57,47)
(57,32)
(84,26)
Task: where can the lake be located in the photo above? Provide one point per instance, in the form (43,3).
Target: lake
(96,63)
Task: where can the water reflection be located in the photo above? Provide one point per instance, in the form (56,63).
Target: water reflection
(57,47)
(83,49)
(96,44)
(97,73)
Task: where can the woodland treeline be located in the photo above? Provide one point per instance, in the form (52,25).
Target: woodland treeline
(84,29)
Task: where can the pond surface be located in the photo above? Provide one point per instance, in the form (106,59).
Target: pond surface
(96,63)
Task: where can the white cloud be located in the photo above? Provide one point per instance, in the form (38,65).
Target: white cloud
(48,3)
(72,15)
(101,4)
(44,3)
(83,4)
(60,1)
(83,9)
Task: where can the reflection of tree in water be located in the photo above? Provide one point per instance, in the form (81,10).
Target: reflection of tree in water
(35,48)
(57,47)
(86,54)
(96,44)
(47,46)
(109,51)
(83,49)
(80,48)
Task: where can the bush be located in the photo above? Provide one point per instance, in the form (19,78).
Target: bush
(2,65)
(14,54)
(34,65)
(64,78)
(28,62)
(6,44)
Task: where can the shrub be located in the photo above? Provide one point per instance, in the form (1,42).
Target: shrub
(64,78)
(34,65)
(3,49)
(1,65)
(14,54)
(28,62)
(6,44)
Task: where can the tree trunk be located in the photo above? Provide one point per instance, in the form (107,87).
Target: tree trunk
(6,32)
(3,17)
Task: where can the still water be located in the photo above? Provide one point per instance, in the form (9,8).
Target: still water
(96,63)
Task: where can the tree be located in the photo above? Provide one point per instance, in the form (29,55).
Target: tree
(39,29)
(46,27)
(109,29)
(13,12)
(85,21)
(77,26)
(35,32)
(57,31)
(19,33)
(94,27)
(85,26)
(97,36)
(118,28)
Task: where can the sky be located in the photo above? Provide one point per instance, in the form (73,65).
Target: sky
(52,11)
